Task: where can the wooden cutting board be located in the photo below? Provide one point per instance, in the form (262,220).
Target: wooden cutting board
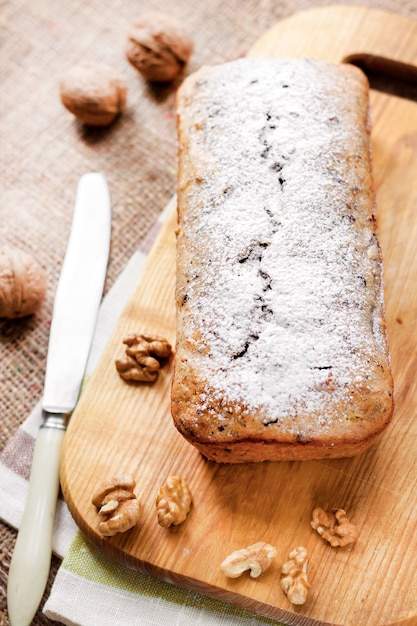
(124,428)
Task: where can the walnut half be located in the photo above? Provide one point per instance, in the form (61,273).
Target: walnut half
(118,504)
(173,502)
(334,526)
(256,558)
(294,576)
(143,358)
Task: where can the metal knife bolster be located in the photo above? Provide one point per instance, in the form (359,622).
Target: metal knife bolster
(55,420)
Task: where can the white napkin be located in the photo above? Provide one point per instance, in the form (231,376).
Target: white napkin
(90,589)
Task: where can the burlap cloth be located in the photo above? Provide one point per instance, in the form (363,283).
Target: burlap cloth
(44,151)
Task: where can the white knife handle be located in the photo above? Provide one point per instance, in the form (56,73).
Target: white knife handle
(31,560)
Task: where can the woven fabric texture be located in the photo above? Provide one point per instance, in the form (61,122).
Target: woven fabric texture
(44,151)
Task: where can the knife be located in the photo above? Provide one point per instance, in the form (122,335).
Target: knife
(76,304)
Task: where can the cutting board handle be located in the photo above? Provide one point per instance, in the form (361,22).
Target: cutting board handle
(383,66)
(383,40)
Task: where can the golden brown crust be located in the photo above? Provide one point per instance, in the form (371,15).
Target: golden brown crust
(281,342)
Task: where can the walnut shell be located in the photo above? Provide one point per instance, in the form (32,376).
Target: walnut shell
(93,92)
(22,283)
(158,46)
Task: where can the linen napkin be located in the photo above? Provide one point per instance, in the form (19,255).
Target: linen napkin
(90,589)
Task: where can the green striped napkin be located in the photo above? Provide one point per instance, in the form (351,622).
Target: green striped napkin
(91,589)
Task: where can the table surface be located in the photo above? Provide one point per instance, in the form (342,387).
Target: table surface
(45,151)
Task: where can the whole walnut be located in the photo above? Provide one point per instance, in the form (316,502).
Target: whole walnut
(158,46)
(22,283)
(93,92)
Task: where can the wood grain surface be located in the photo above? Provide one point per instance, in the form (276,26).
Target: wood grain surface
(125,428)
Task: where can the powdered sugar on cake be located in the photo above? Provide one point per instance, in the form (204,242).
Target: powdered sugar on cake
(287,272)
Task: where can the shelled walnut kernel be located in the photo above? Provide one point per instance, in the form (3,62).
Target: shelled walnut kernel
(143,358)
(256,558)
(118,504)
(294,576)
(173,502)
(334,526)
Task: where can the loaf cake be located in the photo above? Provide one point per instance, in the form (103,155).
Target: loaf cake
(281,349)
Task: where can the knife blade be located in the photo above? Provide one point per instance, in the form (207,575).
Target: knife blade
(76,304)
